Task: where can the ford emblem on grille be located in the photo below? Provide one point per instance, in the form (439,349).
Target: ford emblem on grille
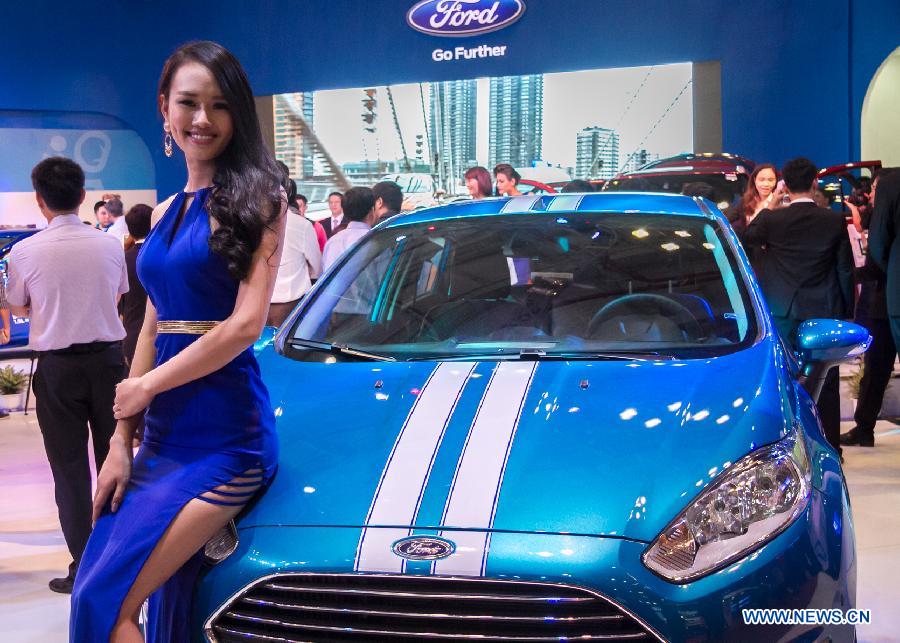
(423,548)
(463,17)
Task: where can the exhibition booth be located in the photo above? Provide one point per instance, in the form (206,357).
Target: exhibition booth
(554,416)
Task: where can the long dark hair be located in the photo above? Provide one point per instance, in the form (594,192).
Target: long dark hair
(246,197)
(751,196)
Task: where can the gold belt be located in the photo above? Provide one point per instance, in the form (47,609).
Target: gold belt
(186,327)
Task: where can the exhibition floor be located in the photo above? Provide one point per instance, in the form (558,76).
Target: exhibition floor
(32,549)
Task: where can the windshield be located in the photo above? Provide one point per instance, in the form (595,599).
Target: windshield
(727,188)
(557,283)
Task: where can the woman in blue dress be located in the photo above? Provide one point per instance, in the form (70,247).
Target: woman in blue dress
(209,267)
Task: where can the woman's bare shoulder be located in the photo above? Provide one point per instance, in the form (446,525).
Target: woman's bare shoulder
(160,210)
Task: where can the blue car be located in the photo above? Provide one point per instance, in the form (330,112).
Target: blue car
(19,325)
(545,418)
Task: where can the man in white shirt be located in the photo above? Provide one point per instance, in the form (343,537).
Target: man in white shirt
(118,229)
(332,223)
(301,262)
(68,278)
(359,209)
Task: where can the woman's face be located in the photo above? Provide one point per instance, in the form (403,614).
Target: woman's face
(765,182)
(474,190)
(506,186)
(198,116)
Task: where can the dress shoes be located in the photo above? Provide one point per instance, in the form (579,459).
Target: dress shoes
(62,585)
(856,438)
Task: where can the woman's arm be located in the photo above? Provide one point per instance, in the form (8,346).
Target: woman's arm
(223,343)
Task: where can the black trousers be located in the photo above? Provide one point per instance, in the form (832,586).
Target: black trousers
(72,391)
(878,366)
(829,403)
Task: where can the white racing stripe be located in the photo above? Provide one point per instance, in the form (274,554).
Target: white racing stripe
(522,203)
(479,474)
(405,475)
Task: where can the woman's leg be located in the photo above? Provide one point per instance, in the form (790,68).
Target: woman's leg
(195,524)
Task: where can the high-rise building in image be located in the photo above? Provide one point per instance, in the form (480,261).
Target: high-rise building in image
(639,159)
(452,127)
(290,147)
(596,153)
(516,120)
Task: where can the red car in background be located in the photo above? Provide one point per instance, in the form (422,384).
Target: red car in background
(726,174)
(848,183)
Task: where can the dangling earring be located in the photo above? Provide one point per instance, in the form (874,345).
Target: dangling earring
(167,142)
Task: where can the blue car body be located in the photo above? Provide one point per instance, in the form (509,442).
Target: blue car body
(593,461)
(19,325)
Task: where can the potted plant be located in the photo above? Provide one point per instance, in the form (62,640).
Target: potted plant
(12,385)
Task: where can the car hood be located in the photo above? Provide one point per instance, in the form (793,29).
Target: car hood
(611,448)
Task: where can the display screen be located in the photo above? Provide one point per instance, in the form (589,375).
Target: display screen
(551,128)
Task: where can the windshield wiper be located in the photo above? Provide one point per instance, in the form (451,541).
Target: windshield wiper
(340,349)
(533,354)
(539,355)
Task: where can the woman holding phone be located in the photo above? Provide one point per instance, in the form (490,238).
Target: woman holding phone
(764,192)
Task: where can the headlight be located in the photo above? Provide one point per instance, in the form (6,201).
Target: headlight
(749,504)
(221,545)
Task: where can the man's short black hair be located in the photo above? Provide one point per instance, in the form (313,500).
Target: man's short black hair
(115,208)
(302,197)
(799,174)
(699,188)
(577,185)
(59,182)
(390,193)
(331,194)
(138,220)
(98,205)
(358,202)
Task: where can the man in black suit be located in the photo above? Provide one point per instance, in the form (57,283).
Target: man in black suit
(872,312)
(806,271)
(333,223)
(884,243)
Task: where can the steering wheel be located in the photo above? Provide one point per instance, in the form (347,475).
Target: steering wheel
(647,303)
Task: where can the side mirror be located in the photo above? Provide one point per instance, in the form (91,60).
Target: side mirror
(823,344)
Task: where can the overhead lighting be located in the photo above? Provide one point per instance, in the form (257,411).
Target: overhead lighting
(670,247)
(684,234)
(640,233)
(709,246)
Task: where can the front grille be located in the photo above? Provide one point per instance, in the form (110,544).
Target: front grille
(353,607)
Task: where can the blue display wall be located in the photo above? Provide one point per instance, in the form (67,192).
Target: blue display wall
(794,74)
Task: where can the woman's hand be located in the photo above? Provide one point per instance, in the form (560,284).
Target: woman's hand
(113,476)
(132,396)
(777,196)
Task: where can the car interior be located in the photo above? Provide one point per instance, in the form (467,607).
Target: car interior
(609,281)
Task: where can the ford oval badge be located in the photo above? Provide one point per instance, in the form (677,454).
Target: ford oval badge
(423,548)
(463,17)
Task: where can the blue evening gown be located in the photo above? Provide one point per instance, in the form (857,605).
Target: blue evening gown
(198,436)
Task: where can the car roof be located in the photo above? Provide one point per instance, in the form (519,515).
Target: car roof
(703,163)
(588,202)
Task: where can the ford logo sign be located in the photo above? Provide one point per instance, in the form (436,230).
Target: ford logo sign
(463,17)
(423,548)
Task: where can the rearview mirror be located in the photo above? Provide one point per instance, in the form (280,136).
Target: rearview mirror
(823,344)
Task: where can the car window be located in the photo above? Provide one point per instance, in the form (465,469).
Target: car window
(727,187)
(566,283)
